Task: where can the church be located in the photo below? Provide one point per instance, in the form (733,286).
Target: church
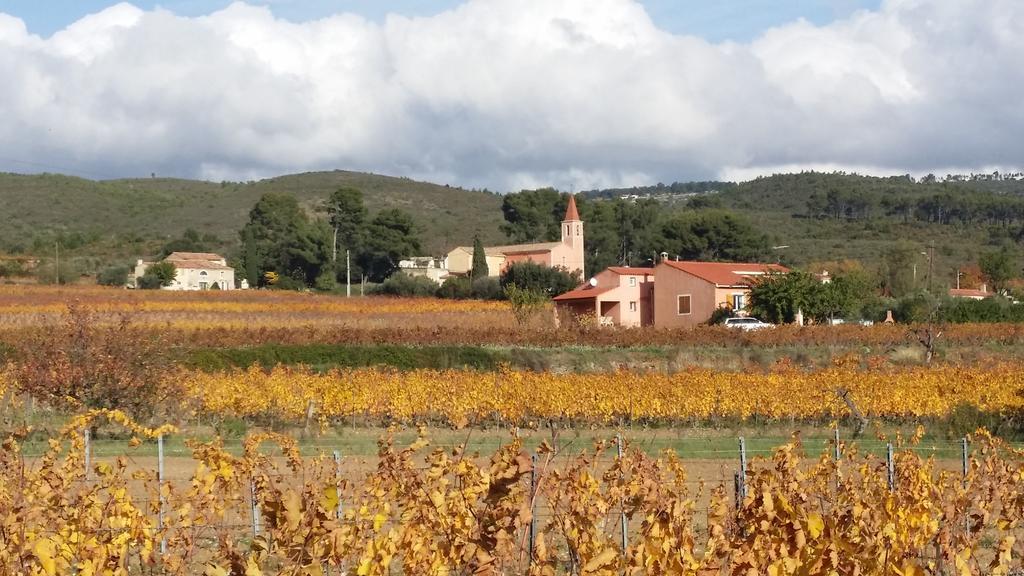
(566,254)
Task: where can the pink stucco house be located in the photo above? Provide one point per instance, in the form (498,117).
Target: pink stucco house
(618,296)
(687,293)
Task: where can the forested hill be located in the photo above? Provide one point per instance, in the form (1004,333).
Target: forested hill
(124,219)
(816,217)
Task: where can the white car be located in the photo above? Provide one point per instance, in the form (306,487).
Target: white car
(746,323)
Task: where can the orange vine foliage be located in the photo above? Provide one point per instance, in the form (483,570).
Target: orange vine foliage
(239,318)
(467,397)
(435,512)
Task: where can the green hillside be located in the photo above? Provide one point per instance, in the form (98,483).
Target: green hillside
(119,220)
(815,217)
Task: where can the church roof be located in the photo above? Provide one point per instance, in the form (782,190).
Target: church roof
(513,248)
(571,214)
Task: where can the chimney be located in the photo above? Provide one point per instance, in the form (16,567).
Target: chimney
(984,287)
(664,256)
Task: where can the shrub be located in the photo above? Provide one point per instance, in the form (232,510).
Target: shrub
(526,303)
(157,276)
(84,364)
(455,288)
(113,276)
(402,284)
(916,308)
(487,288)
(538,278)
(326,282)
(720,315)
(989,310)
(46,273)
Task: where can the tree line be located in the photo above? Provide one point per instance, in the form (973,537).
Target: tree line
(285,248)
(634,233)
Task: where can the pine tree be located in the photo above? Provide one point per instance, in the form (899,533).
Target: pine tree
(479,260)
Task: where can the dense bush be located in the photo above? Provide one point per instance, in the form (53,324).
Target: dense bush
(455,288)
(82,363)
(324,356)
(539,278)
(157,276)
(488,288)
(113,276)
(720,315)
(989,310)
(920,307)
(402,284)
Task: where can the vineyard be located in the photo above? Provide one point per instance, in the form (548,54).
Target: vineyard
(608,510)
(391,467)
(248,318)
(463,398)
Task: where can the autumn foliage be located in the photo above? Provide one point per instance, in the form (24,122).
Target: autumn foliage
(80,364)
(443,511)
(462,397)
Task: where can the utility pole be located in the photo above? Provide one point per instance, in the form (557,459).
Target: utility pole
(931,258)
(56,271)
(348,273)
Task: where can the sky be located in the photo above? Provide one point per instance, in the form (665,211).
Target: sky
(511,94)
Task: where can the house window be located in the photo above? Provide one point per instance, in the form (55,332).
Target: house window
(204,285)
(632,280)
(683,304)
(632,306)
(739,301)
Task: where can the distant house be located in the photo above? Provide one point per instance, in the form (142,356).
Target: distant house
(979,294)
(425,266)
(686,294)
(195,271)
(618,296)
(566,253)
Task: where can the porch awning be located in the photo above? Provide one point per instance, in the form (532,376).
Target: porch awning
(585,292)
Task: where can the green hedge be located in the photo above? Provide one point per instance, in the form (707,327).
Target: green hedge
(324,357)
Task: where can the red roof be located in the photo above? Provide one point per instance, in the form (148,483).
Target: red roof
(969,293)
(726,273)
(570,212)
(194,256)
(630,271)
(584,292)
(198,265)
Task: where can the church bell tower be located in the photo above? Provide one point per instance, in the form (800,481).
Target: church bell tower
(572,239)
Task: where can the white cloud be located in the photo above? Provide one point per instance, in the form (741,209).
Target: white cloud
(514,93)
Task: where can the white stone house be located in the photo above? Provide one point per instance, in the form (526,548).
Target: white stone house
(426,266)
(195,271)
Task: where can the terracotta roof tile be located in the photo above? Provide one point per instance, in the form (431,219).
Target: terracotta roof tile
(630,270)
(726,273)
(584,292)
(969,293)
(571,213)
(198,265)
(194,256)
(513,248)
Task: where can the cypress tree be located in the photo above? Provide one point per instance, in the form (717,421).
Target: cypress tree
(479,260)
